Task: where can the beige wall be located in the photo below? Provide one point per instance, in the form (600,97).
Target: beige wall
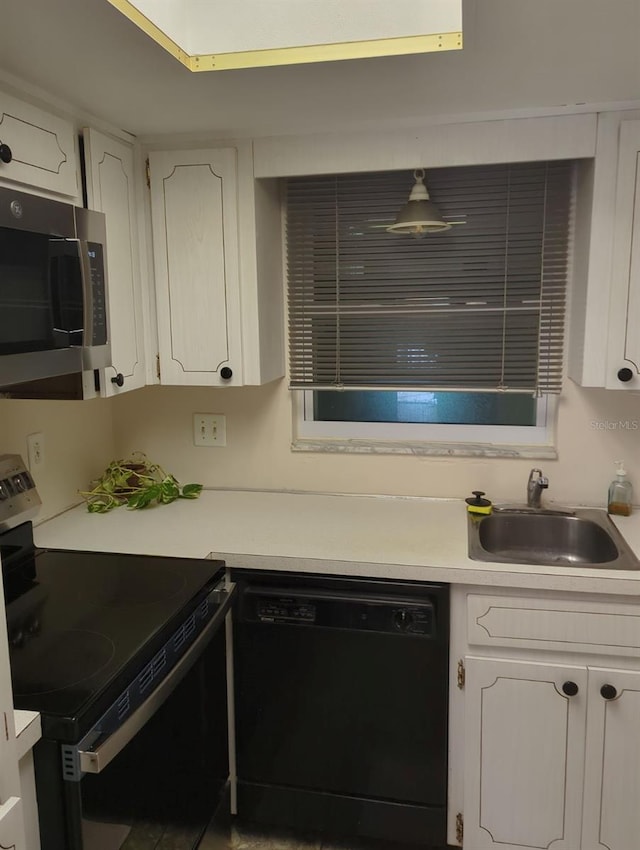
(78,443)
(82,437)
(158,420)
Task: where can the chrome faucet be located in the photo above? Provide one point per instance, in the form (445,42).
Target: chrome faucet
(535,485)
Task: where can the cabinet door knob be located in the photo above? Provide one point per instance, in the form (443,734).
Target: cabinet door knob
(608,692)
(5,153)
(118,380)
(570,689)
(625,374)
(226,373)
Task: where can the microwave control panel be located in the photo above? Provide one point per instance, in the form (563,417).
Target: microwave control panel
(95,258)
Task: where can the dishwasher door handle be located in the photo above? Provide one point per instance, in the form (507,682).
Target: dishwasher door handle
(95,761)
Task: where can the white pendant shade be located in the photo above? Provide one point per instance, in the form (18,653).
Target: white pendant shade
(420,215)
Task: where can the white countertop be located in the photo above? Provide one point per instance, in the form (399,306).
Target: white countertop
(379,536)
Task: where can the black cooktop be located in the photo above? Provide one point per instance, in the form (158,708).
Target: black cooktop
(81,624)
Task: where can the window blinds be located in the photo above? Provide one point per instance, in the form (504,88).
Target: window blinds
(478,307)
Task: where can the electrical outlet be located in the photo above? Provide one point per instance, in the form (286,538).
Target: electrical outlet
(209,429)
(35,451)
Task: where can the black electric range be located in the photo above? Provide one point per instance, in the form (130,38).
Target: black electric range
(82,625)
(125,658)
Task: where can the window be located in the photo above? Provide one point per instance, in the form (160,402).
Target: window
(460,329)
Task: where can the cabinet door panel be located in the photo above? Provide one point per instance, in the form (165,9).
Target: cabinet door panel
(524,755)
(195,232)
(612,765)
(111,190)
(624,317)
(43,148)
(632,336)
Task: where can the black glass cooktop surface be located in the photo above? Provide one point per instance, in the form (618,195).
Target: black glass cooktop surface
(82,624)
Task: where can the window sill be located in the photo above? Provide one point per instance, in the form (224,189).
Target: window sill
(422,449)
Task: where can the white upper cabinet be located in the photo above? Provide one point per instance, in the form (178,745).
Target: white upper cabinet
(111,185)
(40,147)
(623,362)
(604,342)
(195,234)
(217,256)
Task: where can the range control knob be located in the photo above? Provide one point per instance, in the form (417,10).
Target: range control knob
(20,483)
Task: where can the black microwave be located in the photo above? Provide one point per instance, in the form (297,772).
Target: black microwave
(53,289)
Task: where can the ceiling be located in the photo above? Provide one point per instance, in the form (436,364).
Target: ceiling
(517,54)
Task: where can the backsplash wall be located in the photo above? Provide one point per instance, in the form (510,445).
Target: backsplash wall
(258,453)
(78,443)
(82,437)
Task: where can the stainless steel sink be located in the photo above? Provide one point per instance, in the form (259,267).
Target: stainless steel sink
(584,537)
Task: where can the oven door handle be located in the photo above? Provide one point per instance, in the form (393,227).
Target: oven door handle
(94,761)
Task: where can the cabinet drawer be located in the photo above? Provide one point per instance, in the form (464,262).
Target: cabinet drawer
(601,628)
(42,146)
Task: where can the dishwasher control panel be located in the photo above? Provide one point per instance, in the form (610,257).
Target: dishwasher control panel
(355,613)
(285,609)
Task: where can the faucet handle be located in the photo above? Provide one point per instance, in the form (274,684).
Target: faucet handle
(540,480)
(535,485)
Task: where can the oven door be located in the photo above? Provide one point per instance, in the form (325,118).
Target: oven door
(158,776)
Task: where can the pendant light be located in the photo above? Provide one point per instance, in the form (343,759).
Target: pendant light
(419,215)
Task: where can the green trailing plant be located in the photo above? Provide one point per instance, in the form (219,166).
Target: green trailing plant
(136,483)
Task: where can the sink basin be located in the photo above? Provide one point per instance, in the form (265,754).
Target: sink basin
(585,538)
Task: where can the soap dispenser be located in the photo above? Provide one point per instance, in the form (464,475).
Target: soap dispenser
(620,493)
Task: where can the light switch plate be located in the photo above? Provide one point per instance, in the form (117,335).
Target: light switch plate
(209,429)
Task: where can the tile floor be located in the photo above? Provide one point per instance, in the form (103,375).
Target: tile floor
(223,832)
(238,836)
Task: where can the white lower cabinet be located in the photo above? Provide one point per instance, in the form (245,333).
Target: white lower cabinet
(612,766)
(524,754)
(545,732)
(12,825)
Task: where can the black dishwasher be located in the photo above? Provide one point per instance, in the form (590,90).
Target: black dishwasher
(341,696)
